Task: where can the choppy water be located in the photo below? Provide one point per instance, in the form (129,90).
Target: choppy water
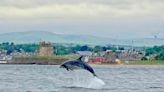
(50,78)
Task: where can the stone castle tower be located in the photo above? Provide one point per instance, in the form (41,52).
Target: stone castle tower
(46,49)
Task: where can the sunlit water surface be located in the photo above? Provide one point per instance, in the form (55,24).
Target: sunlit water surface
(51,78)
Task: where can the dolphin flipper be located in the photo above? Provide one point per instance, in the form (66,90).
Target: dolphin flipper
(88,68)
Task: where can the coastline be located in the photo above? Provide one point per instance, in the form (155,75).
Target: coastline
(57,60)
(102,65)
(126,65)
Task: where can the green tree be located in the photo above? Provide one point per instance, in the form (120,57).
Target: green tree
(160,56)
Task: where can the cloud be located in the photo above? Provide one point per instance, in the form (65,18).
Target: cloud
(80,9)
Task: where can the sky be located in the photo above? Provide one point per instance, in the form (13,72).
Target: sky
(121,19)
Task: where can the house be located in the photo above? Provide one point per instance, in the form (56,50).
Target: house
(5,58)
(123,55)
(96,60)
(84,53)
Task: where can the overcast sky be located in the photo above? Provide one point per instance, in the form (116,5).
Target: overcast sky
(106,18)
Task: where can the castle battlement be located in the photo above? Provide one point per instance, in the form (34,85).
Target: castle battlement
(46,49)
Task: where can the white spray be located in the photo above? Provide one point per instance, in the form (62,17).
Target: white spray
(86,80)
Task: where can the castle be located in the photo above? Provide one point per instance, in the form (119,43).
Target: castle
(46,49)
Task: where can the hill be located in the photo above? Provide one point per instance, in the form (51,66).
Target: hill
(37,36)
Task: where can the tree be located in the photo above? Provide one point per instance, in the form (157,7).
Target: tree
(84,48)
(104,48)
(97,48)
(76,48)
(121,48)
(160,56)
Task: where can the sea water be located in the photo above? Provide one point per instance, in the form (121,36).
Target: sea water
(51,78)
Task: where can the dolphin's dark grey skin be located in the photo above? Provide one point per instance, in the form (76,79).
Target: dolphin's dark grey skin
(77,64)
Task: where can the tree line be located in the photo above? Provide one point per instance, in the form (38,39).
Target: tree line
(11,47)
(60,49)
(158,51)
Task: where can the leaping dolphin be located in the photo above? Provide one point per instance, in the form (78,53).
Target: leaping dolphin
(77,64)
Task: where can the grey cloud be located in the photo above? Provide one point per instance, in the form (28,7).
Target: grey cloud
(98,16)
(45,2)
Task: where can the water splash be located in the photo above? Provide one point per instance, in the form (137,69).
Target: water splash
(85,80)
(96,83)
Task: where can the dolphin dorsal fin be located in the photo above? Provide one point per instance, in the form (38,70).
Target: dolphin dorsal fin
(80,58)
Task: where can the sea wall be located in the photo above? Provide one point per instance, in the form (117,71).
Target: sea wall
(37,60)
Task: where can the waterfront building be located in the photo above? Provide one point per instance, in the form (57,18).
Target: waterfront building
(46,49)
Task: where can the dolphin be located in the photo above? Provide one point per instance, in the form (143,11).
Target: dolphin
(77,64)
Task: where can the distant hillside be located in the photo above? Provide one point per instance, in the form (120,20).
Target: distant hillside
(148,41)
(37,36)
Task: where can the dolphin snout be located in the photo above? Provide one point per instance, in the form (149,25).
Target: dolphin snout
(61,66)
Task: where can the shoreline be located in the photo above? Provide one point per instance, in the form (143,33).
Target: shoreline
(94,65)
(126,65)
(98,66)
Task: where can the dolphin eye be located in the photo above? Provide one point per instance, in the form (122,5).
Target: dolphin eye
(63,65)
